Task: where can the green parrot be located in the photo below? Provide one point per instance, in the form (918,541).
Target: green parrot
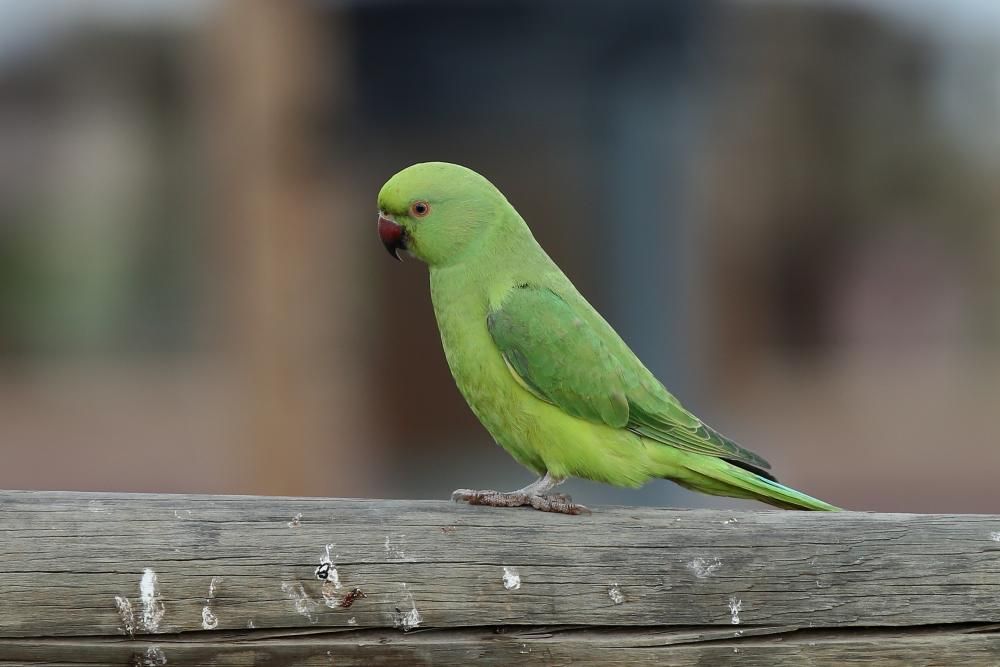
(542,370)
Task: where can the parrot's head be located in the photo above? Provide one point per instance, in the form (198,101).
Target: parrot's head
(436,211)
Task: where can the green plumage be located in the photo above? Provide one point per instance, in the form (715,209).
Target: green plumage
(548,377)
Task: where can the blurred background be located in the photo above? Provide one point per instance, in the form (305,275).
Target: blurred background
(791,211)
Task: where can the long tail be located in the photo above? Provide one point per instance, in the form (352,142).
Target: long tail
(721,478)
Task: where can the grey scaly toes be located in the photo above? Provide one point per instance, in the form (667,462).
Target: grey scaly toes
(558,503)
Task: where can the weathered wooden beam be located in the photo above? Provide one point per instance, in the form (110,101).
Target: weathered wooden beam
(112,579)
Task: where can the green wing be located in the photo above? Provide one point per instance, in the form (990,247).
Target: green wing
(580,365)
(558,357)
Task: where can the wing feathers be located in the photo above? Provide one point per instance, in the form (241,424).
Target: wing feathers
(590,373)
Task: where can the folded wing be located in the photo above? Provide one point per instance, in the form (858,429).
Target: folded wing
(566,359)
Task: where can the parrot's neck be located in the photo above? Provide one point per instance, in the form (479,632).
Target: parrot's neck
(506,244)
(507,254)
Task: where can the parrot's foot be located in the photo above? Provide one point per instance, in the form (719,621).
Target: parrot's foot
(534,495)
(560,502)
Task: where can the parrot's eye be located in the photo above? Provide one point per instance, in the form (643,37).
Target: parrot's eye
(420,208)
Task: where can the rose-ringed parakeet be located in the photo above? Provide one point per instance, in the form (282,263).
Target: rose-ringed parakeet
(542,370)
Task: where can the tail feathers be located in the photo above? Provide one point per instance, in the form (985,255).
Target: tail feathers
(719,477)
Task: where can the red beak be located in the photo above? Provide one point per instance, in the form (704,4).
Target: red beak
(393,236)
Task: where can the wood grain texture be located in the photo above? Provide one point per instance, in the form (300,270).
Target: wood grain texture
(92,579)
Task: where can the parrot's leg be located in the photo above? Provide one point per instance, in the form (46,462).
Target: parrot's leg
(534,495)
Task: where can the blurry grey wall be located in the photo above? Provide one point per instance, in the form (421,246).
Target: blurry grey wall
(788,209)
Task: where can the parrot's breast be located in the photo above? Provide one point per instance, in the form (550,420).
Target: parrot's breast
(461,308)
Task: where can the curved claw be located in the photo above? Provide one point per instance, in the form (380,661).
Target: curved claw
(467,495)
